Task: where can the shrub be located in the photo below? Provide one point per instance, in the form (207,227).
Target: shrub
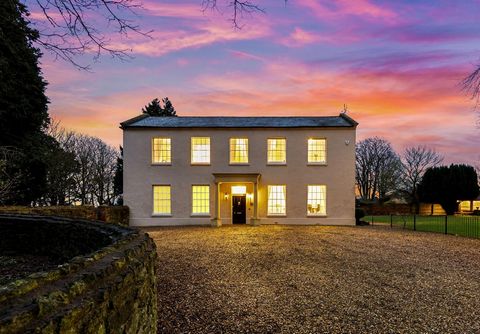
(359,214)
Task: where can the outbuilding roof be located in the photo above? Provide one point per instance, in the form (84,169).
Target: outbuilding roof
(146,121)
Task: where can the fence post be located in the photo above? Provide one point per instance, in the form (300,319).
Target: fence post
(414,222)
(446,228)
(391,220)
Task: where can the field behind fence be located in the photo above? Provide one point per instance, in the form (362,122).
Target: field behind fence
(466,226)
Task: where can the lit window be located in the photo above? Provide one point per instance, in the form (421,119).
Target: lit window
(277,200)
(465,206)
(317,152)
(161,151)
(277,150)
(316,200)
(161,200)
(200,150)
(200,199)
(238,150)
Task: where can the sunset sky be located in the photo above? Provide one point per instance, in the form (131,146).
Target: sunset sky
(396,64)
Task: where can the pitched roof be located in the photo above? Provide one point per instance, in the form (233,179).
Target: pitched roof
(146,121)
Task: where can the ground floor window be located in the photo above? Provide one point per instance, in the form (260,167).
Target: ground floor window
(162,200)
(316,200)
(277,200)
(201,200)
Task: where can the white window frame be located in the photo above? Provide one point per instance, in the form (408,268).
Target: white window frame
(160,214)
(230,151)
(207,214)
(192,162)
(282,214)
(308,151)
(269,162)
(153,152)
(320,214)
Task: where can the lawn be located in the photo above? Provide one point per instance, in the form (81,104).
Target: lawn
(314,279)
(466,226)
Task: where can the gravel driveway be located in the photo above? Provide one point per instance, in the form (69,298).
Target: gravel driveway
(312,279)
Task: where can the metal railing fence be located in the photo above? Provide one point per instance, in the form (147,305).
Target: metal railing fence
(466,226)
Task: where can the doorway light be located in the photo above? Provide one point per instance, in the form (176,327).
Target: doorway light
(239,190)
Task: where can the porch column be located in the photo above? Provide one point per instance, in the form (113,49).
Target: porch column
(216,221)
(254,220)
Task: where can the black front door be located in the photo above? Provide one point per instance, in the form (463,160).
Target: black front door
(238,210)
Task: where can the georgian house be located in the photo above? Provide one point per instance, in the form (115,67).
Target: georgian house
(240,170)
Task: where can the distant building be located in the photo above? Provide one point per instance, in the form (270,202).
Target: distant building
(224,170)
(469,206)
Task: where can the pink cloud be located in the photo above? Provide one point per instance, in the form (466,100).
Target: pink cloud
(165,9)
(335,9)
(196,36)
(245,55)
(299,37)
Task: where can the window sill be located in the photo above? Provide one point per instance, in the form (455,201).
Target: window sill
(161,163)
(317,215)
(279,215)
(316,164)
(200,164)
(239,164)
(276,163)
(203,215)
(161,215)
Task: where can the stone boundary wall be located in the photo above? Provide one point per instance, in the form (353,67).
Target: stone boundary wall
(108,214)
(109,286)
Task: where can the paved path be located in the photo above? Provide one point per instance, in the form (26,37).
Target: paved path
(301,279)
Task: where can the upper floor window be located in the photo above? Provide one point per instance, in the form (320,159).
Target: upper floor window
(201,150)
(317,150)
(162,151)
(162,200)
(201,200)
(277,151)
(277,200)
(239,150)
(317,200)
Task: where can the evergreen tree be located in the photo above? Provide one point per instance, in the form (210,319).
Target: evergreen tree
(168,109)
(23,104)
(154,108)
(447,185)
(118,178)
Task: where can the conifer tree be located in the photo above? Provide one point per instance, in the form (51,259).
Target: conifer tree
(154,108)
(168,109)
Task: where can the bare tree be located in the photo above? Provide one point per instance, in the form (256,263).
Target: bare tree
(103,170)
(471,85)
(416,160)
(72,29)
(239,8)
(8,178)
(377,168)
